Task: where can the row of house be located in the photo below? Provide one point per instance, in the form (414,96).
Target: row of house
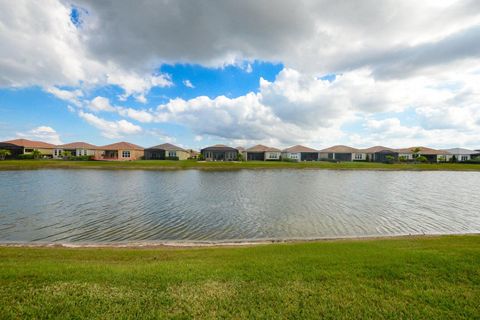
(335,153)
(128,151)
(116,151)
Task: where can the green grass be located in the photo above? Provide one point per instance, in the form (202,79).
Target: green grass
(192,164)
(403,278)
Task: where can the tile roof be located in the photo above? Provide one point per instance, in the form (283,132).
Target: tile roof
(340,149)
(461,151)
(262,148)
(30,143)
(121,146)
(299,148)
(220,147)
(423,150)
(168,147)
(376,149)
(77,145)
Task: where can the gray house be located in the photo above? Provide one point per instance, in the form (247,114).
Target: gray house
(220,152)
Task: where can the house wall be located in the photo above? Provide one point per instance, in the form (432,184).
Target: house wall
(294,156)
(359,156)
(44,152)
(273,155)
(134,155)
(459,157)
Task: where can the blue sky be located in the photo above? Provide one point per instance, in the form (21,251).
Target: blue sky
(296,72)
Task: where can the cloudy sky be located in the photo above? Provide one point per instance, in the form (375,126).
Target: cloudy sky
(195,73)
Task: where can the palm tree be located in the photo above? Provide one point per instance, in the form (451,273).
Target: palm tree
(416,152)
(4,153)
(36,154)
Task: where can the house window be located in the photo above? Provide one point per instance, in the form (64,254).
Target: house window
(125,154)
(294,155)
(28,150)
(172,153)
(464,158)
(358,156)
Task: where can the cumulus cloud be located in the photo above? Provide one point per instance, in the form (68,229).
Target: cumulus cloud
(110,129)
(99,104)
(42,133)
(187,83)
(73,96)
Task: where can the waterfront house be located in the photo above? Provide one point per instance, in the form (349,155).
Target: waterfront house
(75,149)
(166,151)
(242,151)
(380,154)
(342,153)
(460,154)
(220,152)
(432,155)
(300,153)
(262,153)
(25,146)
(120,151)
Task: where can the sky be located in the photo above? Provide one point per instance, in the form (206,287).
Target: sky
(280,73)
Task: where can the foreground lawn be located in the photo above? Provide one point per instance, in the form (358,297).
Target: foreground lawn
(192,164)
(414,278)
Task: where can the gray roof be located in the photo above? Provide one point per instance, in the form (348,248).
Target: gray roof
(168,147)
(461,151)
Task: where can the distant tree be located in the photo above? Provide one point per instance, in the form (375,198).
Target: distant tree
(367,158)
(402,159)
(4,153)
(442,159)
(66,154)
(36,154)
(453,159)
(240,157)
(416,152)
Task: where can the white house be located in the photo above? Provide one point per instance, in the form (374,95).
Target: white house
(75,149)
(460,154)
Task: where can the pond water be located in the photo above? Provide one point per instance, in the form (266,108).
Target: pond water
(91,206)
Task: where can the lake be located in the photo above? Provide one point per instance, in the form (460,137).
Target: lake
(92,206)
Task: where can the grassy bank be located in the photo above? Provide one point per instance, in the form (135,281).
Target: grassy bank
(191,164)
(409,278)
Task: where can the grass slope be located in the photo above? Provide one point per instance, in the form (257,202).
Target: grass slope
(192,164)
(406,278)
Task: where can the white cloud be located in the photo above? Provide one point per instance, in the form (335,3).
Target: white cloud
(42,133)
(99,104)
(187,83)
(72,96)
(110,129)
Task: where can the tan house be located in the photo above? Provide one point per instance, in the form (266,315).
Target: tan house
(432,155)
(380,154)
(300,153)
(120,151)
(342,153)
(262,153)
(166,151)
(24,146)
(76,149)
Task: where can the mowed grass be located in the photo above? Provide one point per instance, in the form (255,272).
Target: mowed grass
(192,164)
(403,278)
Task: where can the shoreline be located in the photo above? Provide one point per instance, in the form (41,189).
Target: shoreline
(176,244)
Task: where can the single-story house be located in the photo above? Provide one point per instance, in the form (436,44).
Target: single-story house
(220,152)
(25,146)
(300,153)
(379,154)
(263,153)
(120,151)
(342,153)
(166,151)
(460,154)
(432,155)
(76,149)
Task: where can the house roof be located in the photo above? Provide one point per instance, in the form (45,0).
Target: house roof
(30,143)
(77,145)
(262,148)
(121,146)
(376,149)
(340,149)
(299,148)
(168,147)
(423,150)
(220,147)
(461,151)
(241,149)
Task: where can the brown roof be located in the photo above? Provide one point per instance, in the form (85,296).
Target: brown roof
(240,149)
(299,148)
(262,148)
(340,149)
(168,147)
(220,147)
(121,146)
(77,145)
(376,149)
(30,144)
(423,150)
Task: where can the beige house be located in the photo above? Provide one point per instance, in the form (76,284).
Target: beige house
(121,151)
(76,149)
(342,153)
(24,146)
(432,155)
(300,153)
(262,153)
(166,151)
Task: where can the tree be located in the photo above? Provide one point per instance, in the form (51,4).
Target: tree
(402,159)
(442,159)
(36,154)
(421,159)
(4,153)
(240,157)
(453,159)
(367,158)
(416,152)
(389,159)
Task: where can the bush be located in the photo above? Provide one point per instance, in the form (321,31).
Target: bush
(171,158)
(284,159)
(200,157)
(25,156)
(79,158)
(421,159)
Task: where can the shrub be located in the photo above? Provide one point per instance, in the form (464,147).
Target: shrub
(27,156)
(285,159)
(171,158)
(402,159)
(389,159)
(422,159)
